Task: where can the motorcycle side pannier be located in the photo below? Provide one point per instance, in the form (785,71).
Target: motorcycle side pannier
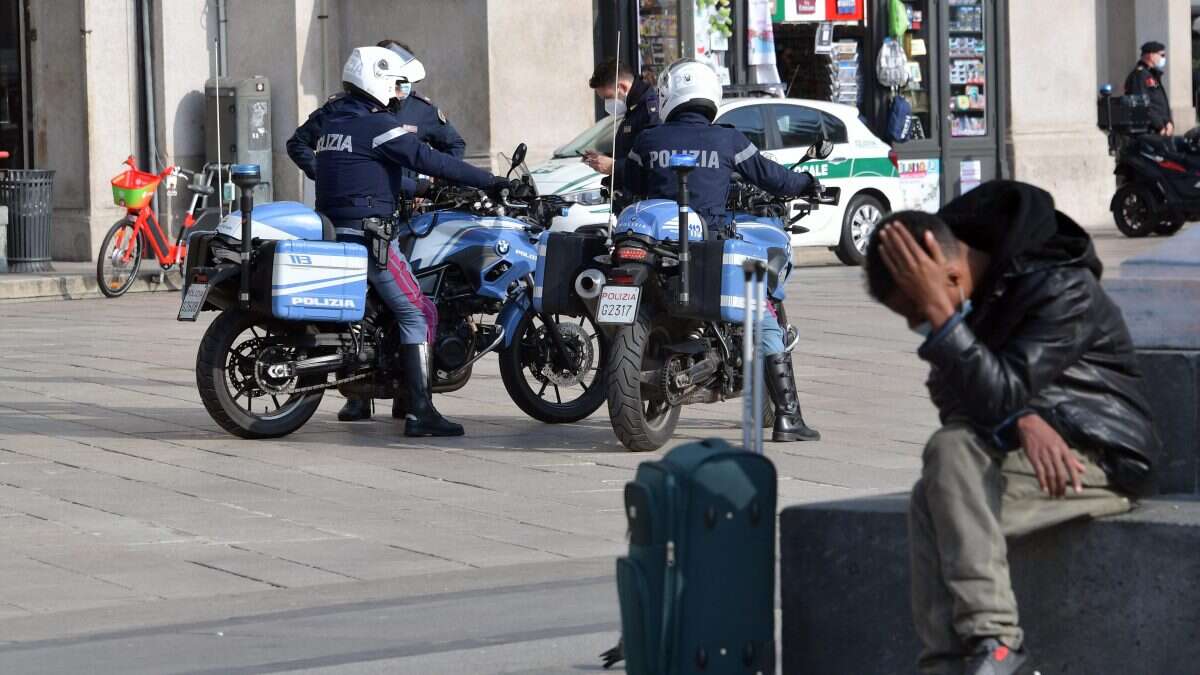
(302,280)
(562,256)
(717,284)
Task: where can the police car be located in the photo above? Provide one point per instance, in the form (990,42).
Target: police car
(863,166)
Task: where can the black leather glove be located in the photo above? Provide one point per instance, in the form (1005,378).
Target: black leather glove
(516,190)
(815,187)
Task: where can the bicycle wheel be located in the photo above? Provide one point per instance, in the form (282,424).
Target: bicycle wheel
(120,258)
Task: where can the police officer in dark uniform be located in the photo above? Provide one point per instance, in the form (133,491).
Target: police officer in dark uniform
(1146,80)
(623,94)
(690,93)
(418,114)
(359,154)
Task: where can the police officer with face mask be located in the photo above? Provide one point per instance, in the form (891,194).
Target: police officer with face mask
(690,92)
(623,95)
(418,114)
(359,154)
(1146,80)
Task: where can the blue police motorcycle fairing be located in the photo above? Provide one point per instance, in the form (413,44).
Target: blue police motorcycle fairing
(325,328)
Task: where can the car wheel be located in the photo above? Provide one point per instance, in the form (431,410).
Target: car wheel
(858,223)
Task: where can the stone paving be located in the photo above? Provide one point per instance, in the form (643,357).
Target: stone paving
(116,489)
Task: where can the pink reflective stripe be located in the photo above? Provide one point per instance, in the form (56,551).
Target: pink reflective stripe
(398,266)
(403,275)
(429,309)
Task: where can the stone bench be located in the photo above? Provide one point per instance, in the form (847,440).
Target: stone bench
(1159,294)
(1118,595)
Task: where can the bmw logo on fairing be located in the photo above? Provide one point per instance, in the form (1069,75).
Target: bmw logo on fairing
(502,247)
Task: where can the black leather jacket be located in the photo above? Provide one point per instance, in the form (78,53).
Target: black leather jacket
(1048,339)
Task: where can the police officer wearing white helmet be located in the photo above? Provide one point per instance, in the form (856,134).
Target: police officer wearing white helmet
(689,93)
(359,157)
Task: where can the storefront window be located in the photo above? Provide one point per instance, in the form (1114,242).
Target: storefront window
(967,53)
(658,33)
(12,94)
(917,44)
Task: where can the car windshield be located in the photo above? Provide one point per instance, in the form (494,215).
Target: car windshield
(598,138)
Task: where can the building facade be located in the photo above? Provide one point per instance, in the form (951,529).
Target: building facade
(86,76)
(85,83)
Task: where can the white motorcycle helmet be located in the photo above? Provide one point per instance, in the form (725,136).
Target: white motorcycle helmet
(374,71)
(688,81)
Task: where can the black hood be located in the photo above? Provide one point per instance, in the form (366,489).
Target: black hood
(1017,225)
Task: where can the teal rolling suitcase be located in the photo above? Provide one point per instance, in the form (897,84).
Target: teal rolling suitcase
(697,590)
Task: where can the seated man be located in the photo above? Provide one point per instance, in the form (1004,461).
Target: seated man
(1034,377)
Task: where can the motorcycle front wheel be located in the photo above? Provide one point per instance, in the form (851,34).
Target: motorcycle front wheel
(641,421)
(120,258)
(539,387)
(1134,211)
(237,391)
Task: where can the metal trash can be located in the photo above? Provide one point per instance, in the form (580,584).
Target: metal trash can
(27,194)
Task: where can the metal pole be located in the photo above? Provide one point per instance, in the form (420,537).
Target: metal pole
(217,104)
(685,257)
(612,183)
(760,292)
(749,414)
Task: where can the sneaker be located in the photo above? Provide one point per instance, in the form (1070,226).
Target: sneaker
(993,657)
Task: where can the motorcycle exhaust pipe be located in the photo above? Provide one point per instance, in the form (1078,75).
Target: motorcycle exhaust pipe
(589,283)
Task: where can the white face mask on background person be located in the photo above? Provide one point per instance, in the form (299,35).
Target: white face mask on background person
(1161,64)
(614,106)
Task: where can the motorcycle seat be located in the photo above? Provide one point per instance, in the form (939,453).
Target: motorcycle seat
(327,231)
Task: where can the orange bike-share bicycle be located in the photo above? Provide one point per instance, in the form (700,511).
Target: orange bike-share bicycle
(121,252)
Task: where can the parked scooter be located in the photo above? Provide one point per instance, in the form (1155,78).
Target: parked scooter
(672,306)
(1158,177)
(297,316)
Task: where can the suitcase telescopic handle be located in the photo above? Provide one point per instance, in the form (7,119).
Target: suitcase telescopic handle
(755,272)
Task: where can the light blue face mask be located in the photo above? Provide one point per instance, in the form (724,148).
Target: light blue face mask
(405,89)
(925,328)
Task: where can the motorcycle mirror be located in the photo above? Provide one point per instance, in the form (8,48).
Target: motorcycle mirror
(821,149)
(518,156)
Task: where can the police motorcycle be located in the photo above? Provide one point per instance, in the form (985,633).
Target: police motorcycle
(1158,177)
(673,308)
(297,316)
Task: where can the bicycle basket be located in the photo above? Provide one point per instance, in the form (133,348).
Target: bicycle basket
(132,189)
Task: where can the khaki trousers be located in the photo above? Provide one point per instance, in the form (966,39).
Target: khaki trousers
(969,498)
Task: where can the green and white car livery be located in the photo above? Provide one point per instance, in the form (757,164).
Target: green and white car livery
(863,166)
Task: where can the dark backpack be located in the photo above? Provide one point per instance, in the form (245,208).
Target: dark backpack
(697,589)
(898,119)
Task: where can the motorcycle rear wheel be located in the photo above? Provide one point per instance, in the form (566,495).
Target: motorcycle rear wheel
(225,366)
(1169,227)
(641,423)
(529,356)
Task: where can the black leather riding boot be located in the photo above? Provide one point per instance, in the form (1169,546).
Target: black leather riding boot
(355,409)
(422,419)
(781,383)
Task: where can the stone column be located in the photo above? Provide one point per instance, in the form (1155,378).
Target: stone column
(1052,85)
